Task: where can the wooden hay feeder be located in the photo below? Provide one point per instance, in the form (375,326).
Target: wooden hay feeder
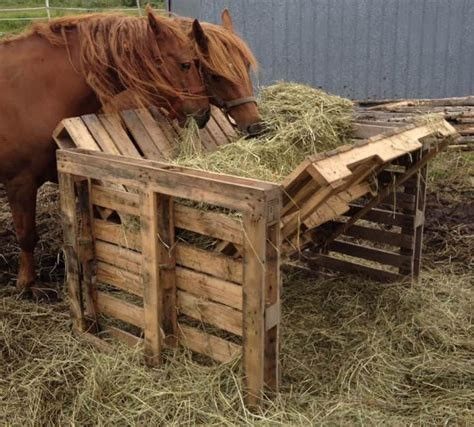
(148,266)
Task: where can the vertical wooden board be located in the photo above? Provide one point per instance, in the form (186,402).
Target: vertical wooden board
(152,290)
(80,134)
(207,140)
(113,124)
(141,136)
(421,206)
(85,248)
(69,220)
(223,123)
(255,231)
(216,133)
(272,305)
(99,133)
(163,140)
(167,267)
(413,185)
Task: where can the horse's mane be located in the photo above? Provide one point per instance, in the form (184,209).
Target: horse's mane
(117,53)
(228,55)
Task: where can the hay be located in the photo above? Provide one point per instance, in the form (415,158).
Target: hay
(352,352)
(301,121)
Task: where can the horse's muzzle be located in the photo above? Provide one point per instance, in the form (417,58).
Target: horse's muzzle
(202,119)
(256,129)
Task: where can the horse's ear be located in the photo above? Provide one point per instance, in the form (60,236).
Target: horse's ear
(200,36)
(227,20)
(154,24)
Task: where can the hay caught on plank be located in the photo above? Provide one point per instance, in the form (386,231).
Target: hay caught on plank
(301,121)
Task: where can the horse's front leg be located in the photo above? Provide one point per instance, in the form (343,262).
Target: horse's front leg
(21,193)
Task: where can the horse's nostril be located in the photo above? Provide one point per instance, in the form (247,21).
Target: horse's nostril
(203,119)
(256,129)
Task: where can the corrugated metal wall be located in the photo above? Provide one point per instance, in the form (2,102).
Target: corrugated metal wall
(356,48)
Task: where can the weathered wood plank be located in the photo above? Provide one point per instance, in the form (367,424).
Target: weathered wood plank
(80,134)
(211,288)
(211,263)
(214,347)
(113,124)
(216,189)
(206,311)
(118,278)
(120,257)
(116,200)
(378,236)
(100,134)
(254,307)
(141,135)
(69,222)
(117,234)
(212,224)
(372,254)
(353,268)
(157,134)
(119,309)
(150,273)
(124,336)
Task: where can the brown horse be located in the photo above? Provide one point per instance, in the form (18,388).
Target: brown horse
(226,61)
(72,66)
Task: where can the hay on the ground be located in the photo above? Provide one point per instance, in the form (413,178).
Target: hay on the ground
(301,121)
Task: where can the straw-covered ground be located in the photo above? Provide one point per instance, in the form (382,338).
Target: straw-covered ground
(353,351)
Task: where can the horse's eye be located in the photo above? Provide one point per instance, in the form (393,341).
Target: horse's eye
(186,66)
(215,78)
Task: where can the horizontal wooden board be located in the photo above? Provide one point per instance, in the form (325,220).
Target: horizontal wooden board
(120,235)
(114,244)
(124,336)
(381,216)
(214,314)
(214,347)
(350,267)
(379,236)
(216,189)
(212,288)
(119,309)
(372,254)
(121,279)
(120,257)
(120,201)
(208,223)
(212,263)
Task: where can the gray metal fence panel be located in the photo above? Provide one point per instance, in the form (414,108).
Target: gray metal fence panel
(356,48)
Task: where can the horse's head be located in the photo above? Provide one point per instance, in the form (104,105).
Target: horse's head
(226,63)
(176,58)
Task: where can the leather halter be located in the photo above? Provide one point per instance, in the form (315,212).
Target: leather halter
(226,106)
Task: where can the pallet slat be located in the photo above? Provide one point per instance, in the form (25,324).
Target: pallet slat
(204,286)
(206,311)
(119,309)
(214,347)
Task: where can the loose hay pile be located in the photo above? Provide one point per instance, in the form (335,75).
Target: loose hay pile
(301,121)
(352,352)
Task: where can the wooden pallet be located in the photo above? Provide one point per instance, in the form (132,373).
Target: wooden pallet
(459,112)
(142,133)
(147,283)
(130,258)
(364,202)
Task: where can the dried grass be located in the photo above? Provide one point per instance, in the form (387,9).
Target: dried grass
(301,121)
(352,352)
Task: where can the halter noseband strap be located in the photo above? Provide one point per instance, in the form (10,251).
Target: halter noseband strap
(228,105)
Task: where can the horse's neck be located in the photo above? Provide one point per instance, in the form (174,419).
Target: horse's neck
(50,75)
